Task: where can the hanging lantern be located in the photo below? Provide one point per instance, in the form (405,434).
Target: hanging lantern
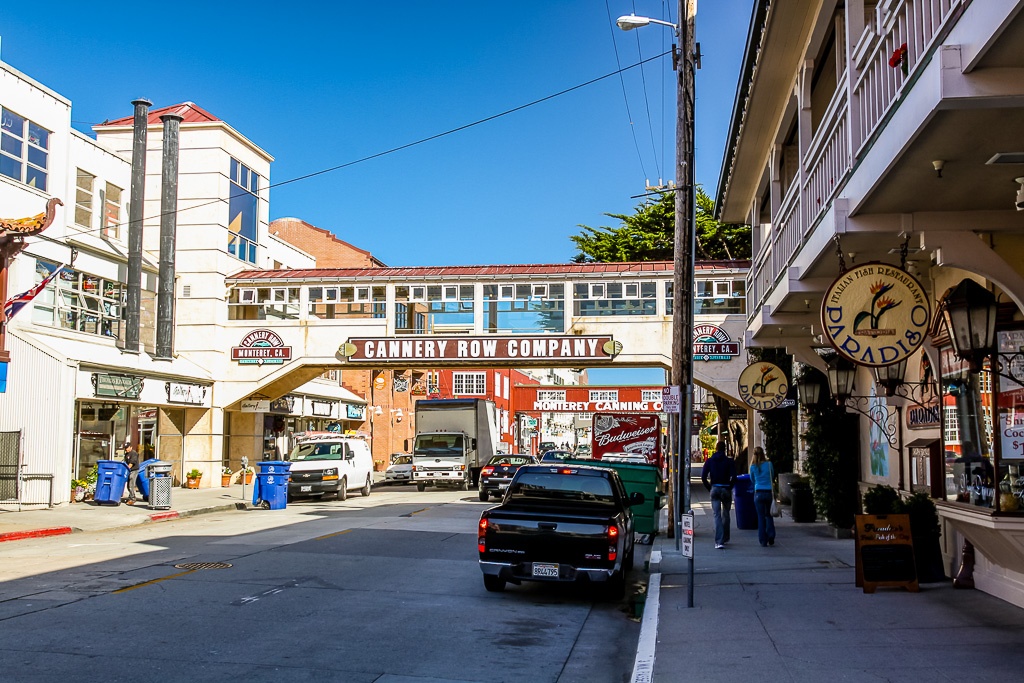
(969,311)
(841,374)
(891,376)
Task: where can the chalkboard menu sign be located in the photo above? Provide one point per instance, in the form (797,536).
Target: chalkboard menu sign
(885,552)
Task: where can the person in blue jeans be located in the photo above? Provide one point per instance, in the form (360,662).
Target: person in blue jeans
(762,474)
(719,475)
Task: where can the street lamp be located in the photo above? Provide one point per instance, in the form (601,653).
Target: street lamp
(841,374)
(970,315)
(891,376)
(809,390)
(684,243)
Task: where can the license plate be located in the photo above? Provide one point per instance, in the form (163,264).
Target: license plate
(305,489)
(502,486)
(546,570)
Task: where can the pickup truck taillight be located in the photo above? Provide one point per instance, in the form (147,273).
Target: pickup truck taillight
(613,542)
(487,471)
(481,539)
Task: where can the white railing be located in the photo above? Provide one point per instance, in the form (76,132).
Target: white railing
(786,235)
(897,23)
(828,158)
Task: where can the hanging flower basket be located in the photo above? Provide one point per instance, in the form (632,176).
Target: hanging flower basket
(899,59)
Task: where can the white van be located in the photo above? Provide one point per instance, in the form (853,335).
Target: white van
(329,464)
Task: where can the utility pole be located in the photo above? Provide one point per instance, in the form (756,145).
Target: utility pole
(683,262)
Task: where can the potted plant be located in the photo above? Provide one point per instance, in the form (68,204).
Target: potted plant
(192,478)
(225,476)
(249,472)
(78,489)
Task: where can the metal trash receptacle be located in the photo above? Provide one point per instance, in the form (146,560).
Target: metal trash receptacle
(743,502)
(159,484)
(111,477)
(271,489)
(142,482)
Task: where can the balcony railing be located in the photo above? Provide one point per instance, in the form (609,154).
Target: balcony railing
(828,159)
(888,54)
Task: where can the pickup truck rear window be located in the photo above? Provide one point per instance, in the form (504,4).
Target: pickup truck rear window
(553,486)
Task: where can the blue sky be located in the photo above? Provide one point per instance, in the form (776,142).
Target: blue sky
(317,88)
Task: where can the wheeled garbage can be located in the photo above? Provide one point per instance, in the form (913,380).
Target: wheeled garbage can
(159,484)
(743,501)
(271,489)
(111,478)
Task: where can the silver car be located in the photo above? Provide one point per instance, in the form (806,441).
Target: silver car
(400,470)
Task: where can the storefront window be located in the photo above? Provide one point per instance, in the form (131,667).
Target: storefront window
(980,471)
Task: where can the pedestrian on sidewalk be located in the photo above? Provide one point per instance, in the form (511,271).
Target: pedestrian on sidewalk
(763,475)
(131,461)
(719,475)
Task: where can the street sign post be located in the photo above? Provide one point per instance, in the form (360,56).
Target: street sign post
(686,535)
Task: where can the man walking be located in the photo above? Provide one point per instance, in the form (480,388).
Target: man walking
(131,460)
(719,475)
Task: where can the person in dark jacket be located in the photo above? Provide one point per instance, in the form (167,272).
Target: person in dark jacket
(131,460)
(719,475)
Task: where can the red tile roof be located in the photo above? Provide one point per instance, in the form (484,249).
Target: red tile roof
(550,269)
(190,112)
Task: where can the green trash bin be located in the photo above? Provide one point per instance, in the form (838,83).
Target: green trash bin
(637,478)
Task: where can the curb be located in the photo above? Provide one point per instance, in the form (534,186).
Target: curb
(35,533)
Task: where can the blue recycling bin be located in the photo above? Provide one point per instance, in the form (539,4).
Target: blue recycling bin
(144,474)
(743,502)
(271,488)
(112,475)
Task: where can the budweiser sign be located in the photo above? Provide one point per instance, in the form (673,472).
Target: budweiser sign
(627,433)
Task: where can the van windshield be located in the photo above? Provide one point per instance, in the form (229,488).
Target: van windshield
(439,445)
(318,451)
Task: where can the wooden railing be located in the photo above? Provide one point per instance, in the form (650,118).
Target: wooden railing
(828,158)
(888,54)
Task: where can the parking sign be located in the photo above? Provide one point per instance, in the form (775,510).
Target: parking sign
(686,534)
(670,400)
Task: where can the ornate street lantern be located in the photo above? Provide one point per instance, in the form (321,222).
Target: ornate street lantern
(969,311)
(841,374)
(891,376)
(809,390)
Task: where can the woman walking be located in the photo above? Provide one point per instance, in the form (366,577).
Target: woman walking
(762,474)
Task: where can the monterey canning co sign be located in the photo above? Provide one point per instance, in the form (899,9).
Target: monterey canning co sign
(469,349)
(875,314)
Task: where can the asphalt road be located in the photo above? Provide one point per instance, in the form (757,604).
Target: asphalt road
(383,589)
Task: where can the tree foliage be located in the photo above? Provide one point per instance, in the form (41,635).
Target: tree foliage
(648,234)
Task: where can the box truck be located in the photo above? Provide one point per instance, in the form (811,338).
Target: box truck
(454,439)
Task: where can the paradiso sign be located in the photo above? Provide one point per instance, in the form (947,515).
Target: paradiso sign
(875,314)
(469,349)
(763,386)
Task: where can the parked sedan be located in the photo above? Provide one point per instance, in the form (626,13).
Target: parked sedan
(498,472)
(399,471)
(556,456)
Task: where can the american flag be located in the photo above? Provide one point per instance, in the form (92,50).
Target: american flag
(16,303)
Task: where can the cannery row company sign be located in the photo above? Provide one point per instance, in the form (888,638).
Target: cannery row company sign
(875,314)
(261,347)
(711,342)
(468,349)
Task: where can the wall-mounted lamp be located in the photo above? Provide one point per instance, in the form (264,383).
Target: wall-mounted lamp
(937,165)
(969,311)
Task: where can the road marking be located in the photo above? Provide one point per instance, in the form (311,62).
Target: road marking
(149,583)
(336,533)
(249,599)
(643,665)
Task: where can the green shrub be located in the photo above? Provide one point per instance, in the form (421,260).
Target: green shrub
(881,500)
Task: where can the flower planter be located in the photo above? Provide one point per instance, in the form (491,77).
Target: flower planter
(225,480)
(192,482)
(249,477)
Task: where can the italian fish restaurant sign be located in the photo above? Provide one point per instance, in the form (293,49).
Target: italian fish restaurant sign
(463,349)
(875,314)
(763,386)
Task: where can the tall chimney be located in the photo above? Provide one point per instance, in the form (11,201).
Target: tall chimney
(138,200)
(168,226)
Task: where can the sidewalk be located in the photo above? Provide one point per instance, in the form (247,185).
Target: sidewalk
(792,612)
(15,525)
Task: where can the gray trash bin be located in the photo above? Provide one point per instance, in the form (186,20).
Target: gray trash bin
(160,485)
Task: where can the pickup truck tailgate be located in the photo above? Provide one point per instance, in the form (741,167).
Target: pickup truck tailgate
(562,539)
